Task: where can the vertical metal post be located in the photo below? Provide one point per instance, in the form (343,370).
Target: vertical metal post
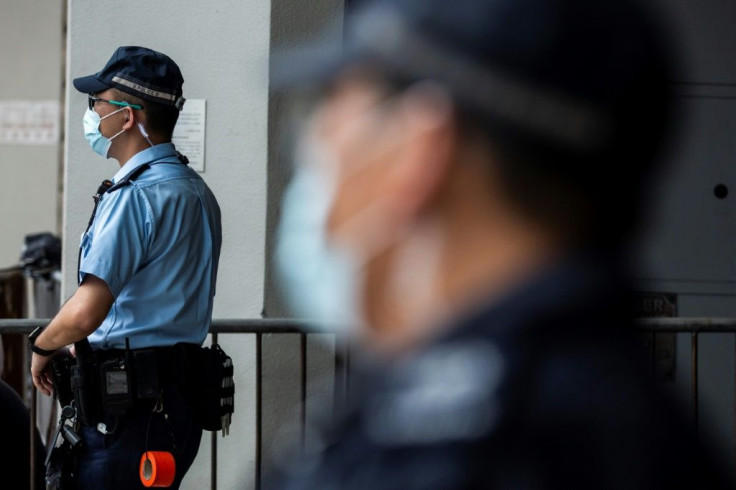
(694,381)
(652,337)
(62,110)
(259,402)
(213,445)
(303,359)
(32,421)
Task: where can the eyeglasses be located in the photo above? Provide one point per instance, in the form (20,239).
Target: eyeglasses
(92,100)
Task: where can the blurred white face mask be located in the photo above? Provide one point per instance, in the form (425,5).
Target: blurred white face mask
(320,280)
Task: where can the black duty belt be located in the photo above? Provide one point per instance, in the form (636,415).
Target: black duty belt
(172,362)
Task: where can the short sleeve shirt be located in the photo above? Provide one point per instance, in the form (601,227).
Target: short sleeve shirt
(156,243)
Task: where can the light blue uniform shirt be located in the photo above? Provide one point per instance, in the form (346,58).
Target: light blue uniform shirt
(156,243)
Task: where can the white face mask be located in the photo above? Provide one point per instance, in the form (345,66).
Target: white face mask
(96,140)
(320,281)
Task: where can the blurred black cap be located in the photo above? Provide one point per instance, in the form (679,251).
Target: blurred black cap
(141,72)
(576,77)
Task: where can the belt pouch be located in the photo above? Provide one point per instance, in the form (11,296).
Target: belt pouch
(86,393)
(146,374)
(116,387)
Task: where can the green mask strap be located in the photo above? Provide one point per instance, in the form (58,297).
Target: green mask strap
(125,104)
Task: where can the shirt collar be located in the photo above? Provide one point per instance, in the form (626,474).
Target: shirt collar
(146,156)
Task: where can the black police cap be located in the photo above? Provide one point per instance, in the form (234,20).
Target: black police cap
(141,72)
(576,76)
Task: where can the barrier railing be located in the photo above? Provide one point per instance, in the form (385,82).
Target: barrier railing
(260,327)
(694,326)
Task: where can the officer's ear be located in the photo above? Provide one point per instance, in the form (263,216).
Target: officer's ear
(130,118)
(420,171)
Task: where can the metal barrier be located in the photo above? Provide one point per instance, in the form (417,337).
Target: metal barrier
(693,326)
(259,327)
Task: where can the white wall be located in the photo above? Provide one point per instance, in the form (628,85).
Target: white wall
(30,54)
(222,49)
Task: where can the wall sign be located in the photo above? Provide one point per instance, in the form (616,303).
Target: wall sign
(662,346)
(29,122)
(189,132)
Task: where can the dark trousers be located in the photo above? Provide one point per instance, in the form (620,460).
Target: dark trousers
(112,461)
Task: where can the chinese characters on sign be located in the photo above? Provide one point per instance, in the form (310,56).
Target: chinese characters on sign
(189,132)
(29,122)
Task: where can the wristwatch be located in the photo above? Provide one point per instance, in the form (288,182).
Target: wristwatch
(32,342)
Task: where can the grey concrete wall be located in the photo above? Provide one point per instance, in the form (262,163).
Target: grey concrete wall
(31,57)
(293,24)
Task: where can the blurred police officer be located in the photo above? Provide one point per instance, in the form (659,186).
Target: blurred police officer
(466,190)
(147,271)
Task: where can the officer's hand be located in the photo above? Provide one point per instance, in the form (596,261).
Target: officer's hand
(40,374)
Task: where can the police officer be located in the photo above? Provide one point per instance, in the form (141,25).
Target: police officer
(464,196)
(147,272)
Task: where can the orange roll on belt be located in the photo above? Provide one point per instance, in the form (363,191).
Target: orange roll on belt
(157,469)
